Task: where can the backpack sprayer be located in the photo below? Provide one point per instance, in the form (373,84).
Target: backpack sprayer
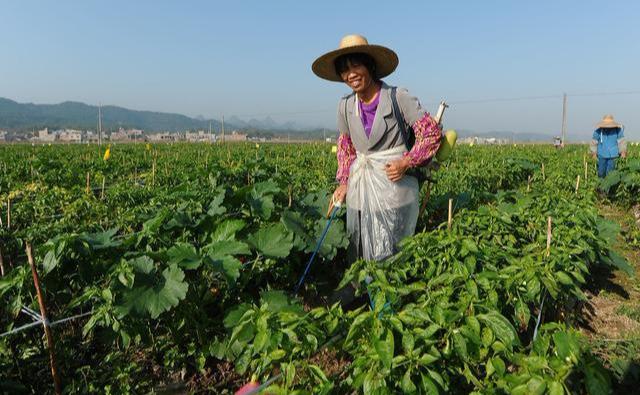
(444,151)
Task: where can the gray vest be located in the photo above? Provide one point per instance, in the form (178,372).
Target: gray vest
(385,133)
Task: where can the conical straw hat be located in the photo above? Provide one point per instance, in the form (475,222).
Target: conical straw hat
(608,122)
(386,60)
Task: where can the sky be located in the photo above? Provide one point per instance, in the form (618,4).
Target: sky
(252,59)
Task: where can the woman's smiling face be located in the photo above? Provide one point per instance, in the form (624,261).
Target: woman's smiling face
(356,76)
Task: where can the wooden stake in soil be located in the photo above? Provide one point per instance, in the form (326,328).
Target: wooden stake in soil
(102,191)
(47,329)
(529,184)
(578,183)
(153,173)
(548,236)
(8,213)
(450,217)
(426,199)
(87,190)
(543,176)
(1,264)
(586,170)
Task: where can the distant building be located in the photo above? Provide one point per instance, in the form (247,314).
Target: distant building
(162,137)
(91,137)
(483,140)
(127,135)
(236,136)
(199,137)
(3,135)
(70,136)
(45,136)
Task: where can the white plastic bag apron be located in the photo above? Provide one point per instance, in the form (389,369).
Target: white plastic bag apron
(380,212)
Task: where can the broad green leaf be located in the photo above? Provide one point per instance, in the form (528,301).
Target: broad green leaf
(278,301)
(227,265)
(101,240)
(215,207)
(566,345)
(232,318)
(317,373)
(219,249)
(407,385)
(155,295)
(555,388)
(184,255)
(227,230)
(563,278)
(273,241)
(384,348)
(50,261)
(428,386)
(500,326)
(407,342)
(498,365)
(142,264)
(265,188)
(536,386)
(460,345)
(261,206)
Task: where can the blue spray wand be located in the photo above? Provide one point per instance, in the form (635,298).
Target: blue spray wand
(336,207)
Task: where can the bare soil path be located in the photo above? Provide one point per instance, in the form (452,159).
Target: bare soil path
(611,317)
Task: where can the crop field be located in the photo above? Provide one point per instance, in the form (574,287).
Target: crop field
(176,265)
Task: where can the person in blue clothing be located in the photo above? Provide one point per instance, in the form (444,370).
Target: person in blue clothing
(608,144)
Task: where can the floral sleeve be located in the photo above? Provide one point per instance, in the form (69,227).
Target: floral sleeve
(428,135)
(346,155)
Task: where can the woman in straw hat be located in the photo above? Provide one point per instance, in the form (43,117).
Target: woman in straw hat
(608,143)
(373,160)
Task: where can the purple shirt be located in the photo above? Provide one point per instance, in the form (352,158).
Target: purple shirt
(368,113)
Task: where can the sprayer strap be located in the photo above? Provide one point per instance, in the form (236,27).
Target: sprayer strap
(408,136)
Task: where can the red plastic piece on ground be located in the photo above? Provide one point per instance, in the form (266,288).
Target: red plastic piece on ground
(248,388)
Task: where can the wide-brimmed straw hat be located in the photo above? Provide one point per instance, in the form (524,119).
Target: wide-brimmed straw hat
(608,122)
(386,60)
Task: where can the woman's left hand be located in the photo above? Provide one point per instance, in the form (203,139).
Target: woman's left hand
(395,170)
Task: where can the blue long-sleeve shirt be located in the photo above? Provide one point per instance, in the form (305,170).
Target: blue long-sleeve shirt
(609,142)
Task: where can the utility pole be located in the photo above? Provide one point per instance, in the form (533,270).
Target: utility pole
(223,128)
(99,124)
(564,118)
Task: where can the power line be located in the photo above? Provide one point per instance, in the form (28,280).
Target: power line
(464,101)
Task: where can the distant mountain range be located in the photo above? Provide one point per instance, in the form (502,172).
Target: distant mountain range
(23,117)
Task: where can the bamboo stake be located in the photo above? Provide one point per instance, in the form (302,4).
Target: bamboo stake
(290,195)
(102,191)
(586,170)
(578,183)
(1,264)
(529,184)
(543,176)
(426,199)
(548,235)
(88,185)
(153,173)
(8,213)
(450,217)
(47,329)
